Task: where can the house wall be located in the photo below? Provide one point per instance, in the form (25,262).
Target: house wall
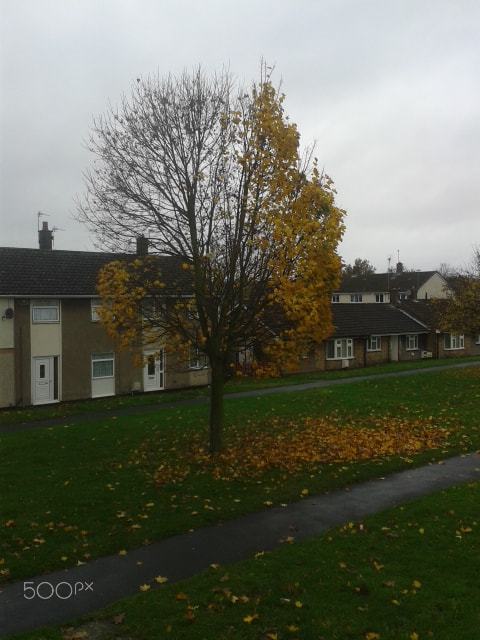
(7,355)
(178,375)
(81,337)
(470,348)
(433,288)
(367,297)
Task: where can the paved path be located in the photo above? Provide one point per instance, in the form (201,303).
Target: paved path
(105,580)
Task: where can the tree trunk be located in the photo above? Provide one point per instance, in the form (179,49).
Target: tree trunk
(216,407)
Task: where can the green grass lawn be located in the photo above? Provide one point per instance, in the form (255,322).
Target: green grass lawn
(76,491)
(73,492)
(407,573)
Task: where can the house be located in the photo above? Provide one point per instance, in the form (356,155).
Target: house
(52,346)
(391,287)
(441,344)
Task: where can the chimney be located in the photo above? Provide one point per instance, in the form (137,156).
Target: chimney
(142,246)
(45,238)
(399,267)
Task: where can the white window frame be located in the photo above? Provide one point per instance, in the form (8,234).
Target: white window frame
(411,342)
(95,304)
(335,298)
(374,343)
(454,341)
(339,349)
(356,297)
(105,357)
(45,311)
(197,359)
(379,297)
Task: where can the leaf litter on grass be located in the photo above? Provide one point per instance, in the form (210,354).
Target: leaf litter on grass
(292,447)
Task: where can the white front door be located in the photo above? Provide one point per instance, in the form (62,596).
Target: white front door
(154,371)
(393,348)
(43,380)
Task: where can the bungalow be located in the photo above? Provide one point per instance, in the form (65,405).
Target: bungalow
(369,334)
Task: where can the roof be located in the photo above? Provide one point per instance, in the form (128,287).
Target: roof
(382,282)
(420,310)
(51,273)
(355,320)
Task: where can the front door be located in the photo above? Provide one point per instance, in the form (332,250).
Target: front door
(154,371)
(44,380)
(393,348)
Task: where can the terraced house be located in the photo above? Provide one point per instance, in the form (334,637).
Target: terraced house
(52,346)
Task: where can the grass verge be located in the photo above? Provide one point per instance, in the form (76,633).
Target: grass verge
(407,573)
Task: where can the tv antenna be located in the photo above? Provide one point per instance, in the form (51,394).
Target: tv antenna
(40,214)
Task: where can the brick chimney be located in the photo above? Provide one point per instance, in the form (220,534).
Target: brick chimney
(45,238)
(142,246)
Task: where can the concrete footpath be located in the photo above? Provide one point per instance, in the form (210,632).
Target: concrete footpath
(58,597)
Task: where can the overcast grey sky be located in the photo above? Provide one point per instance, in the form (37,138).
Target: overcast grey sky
(388,89)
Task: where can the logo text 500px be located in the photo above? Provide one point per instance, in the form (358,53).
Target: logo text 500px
(62,590)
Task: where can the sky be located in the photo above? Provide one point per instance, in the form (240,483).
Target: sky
(388,90)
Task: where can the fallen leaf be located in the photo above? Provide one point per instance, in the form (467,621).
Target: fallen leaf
(144,587)
(118,619)
(250,619)
(161,579)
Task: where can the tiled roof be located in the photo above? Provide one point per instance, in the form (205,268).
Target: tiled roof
(382,282)
(421,310)
(37,273)
(354,320)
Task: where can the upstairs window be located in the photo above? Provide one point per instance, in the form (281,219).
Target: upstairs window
(96,304)
(45,310)
(379,297)
(335,297)
(356,297)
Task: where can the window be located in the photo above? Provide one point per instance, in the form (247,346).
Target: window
(339,349)
(411,342)
(374,343)
(356,297)
(45,310)
(454,341)
(102,365)
(335,297)
(198,359)
(96,304)
(379,297)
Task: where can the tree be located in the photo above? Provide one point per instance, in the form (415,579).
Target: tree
(360,267)
(460,311)
(212,174)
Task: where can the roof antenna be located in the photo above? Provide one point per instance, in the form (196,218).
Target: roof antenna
(40,215)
